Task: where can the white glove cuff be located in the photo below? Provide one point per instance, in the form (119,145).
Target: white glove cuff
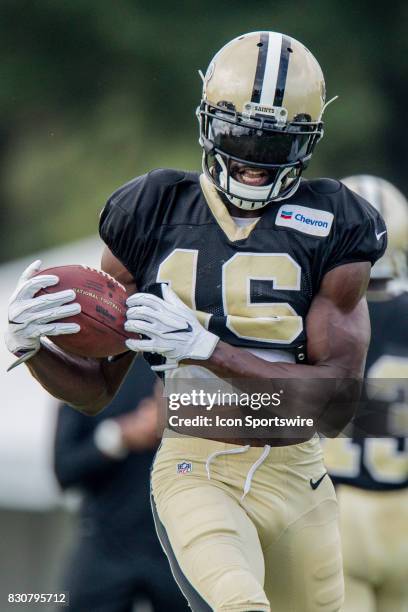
(205,346)
(15,345)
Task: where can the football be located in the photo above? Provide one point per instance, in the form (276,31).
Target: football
(103,314)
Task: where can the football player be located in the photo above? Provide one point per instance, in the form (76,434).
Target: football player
(372,473)
(253,261)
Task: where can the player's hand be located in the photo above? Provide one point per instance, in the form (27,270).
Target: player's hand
(140,427)
(171,327)
(31,317)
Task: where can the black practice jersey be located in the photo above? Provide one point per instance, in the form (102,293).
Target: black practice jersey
(374,462)
(252,286)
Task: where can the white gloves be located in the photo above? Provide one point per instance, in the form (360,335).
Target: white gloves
(172,327)
(32,317)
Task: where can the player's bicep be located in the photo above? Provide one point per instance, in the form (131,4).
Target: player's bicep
(337,325)
(111,265)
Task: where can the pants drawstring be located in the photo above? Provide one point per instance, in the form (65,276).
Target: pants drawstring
(236,451)
(232,451)
(253,468)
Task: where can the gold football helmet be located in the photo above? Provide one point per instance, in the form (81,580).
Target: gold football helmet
(262,106)
(393,206)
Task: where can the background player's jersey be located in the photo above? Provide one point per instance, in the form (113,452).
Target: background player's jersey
(380,463)
(252,286)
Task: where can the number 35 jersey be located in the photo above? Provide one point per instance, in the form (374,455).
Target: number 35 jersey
(253,285)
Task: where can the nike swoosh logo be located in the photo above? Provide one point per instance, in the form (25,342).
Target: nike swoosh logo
(184,329)
(315,484)
(378,236)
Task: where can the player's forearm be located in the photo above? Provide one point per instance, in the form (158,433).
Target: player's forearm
(86,384)
(228,362)
(325,392)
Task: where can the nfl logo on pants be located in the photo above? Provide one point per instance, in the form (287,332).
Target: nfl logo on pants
(185,467)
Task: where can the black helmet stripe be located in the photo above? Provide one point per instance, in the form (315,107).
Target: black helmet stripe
(260,67)
(286,50)
(271,69)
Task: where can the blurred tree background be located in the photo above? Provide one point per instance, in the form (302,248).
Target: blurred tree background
(95,92)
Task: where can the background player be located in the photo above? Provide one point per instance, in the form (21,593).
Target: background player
(252,525)
(372,473)
(116,560)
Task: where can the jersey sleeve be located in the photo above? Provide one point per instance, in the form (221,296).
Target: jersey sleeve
(135,213)
(359,233)
(128,218)
(120,225)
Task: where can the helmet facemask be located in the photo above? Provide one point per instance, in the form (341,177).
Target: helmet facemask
(255,140)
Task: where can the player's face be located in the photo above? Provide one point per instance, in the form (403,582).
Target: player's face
(248,175)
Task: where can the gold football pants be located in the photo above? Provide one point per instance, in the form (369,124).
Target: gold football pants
(374,531)
(243,528)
